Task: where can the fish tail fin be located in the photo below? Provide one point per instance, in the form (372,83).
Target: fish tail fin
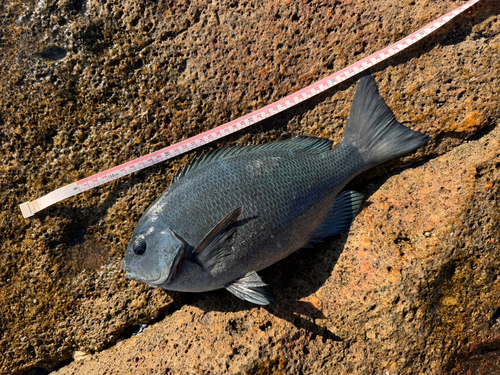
(373,130)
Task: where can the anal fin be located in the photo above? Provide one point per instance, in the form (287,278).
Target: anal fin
(251,288)
(341,215)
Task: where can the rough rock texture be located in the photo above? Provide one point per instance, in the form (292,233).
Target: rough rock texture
(413,288)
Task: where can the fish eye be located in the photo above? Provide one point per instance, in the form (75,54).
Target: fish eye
(140,246)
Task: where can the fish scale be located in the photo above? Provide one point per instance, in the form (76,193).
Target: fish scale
(266,198)
(238,210)
(223,192)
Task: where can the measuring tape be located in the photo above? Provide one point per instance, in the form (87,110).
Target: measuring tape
(30,208)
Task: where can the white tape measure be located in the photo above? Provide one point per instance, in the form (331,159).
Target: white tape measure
(30,208)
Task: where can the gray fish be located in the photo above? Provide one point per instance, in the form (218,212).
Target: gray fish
(237,210)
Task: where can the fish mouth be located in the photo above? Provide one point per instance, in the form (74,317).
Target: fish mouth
(129,274)
(134,277)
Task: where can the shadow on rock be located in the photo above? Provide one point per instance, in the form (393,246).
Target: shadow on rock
(292,279)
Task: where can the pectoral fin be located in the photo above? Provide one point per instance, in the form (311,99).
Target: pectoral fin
(251,288)
(217,244)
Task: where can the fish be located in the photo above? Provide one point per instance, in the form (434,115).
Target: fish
(237,210)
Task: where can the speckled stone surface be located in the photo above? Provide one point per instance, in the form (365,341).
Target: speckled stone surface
(87,85)
(414,288)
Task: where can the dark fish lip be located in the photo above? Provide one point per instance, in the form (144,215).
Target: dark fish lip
(134,277)
(125,266)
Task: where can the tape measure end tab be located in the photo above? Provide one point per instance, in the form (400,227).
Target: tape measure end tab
(26,210)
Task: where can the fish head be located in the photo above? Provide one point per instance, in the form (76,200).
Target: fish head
(155,253)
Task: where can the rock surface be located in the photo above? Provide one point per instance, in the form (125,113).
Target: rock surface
(414,286)
(410,289)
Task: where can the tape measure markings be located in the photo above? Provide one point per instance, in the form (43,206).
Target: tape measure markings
(30,208)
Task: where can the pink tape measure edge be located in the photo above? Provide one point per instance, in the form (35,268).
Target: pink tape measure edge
(28,209)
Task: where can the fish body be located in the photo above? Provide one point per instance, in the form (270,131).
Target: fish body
(238,210)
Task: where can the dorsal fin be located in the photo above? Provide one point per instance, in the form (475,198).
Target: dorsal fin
(302,143)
